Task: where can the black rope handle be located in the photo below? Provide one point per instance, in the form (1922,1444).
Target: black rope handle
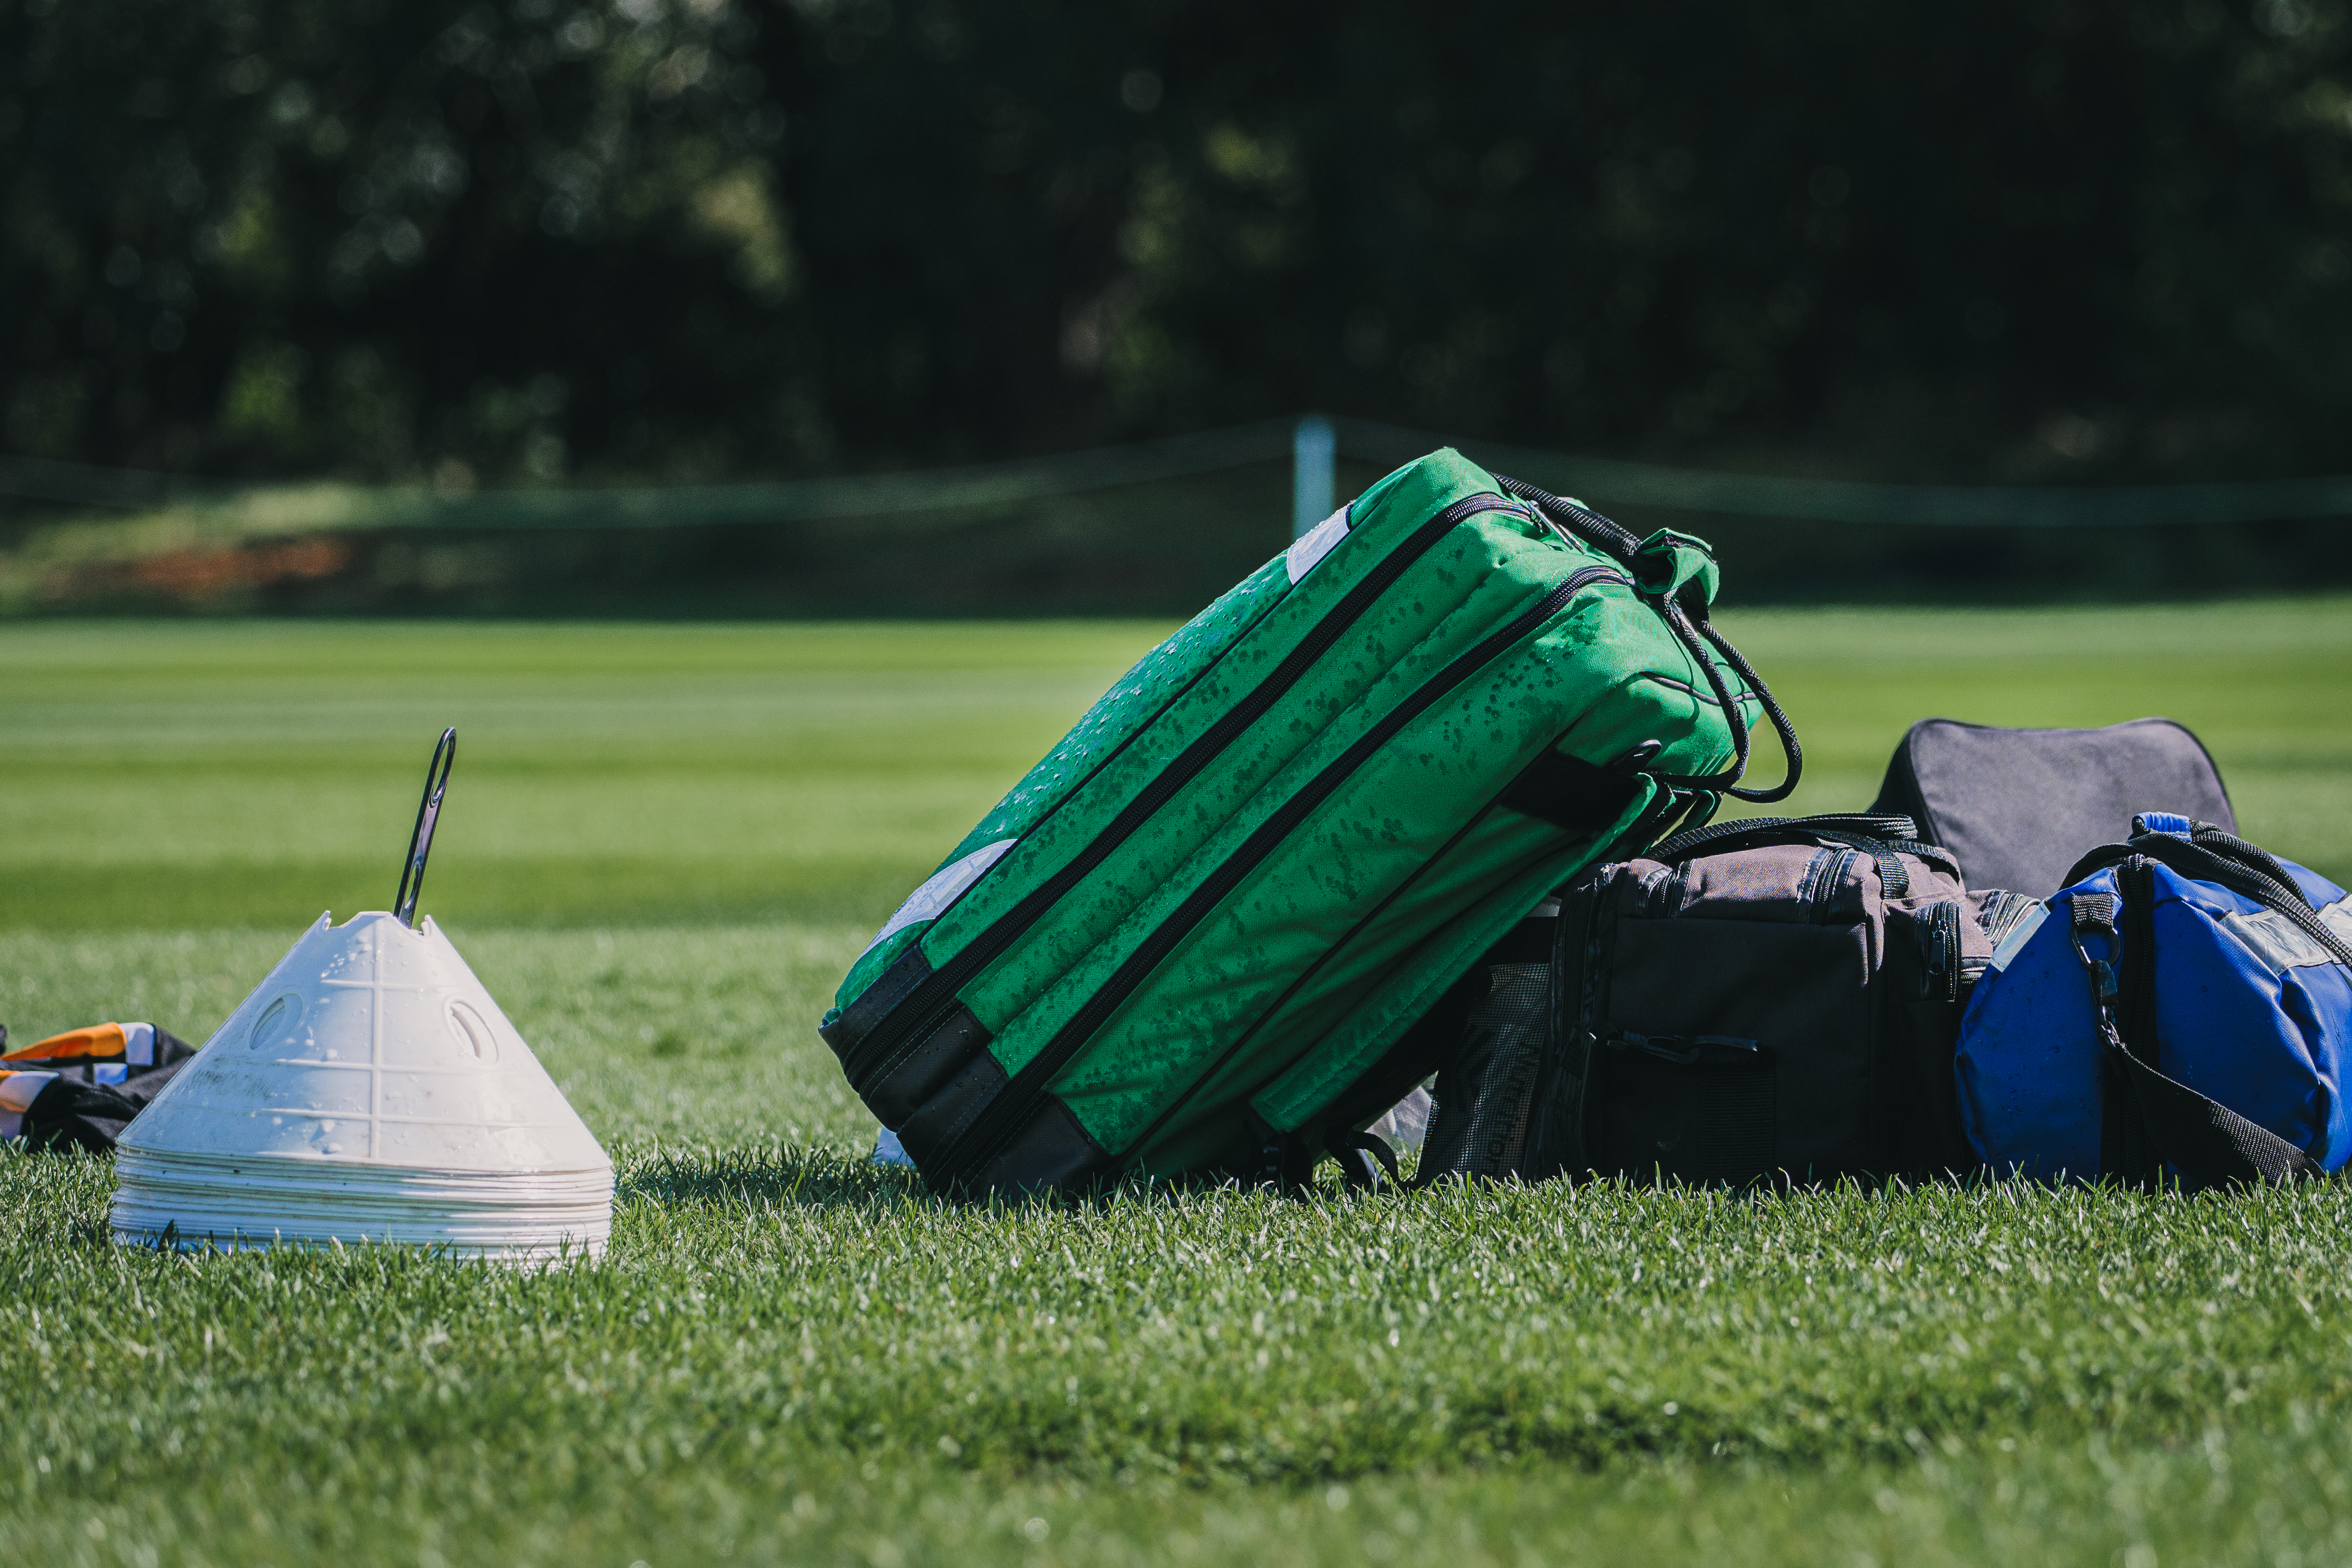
(1689,634)
(1896,830)
(1610,539)
(1781,726)
(420,841)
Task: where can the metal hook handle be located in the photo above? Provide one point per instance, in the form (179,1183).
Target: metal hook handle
(420,843)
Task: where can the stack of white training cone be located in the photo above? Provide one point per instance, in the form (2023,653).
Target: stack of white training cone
(369,1089)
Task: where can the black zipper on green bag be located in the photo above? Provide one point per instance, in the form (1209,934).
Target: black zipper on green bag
(1015,1102)
(927,1005)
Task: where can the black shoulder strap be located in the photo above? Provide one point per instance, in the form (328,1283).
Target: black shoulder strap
(1364,1158)
(2209,1144)
(1749,832)
(1885,839)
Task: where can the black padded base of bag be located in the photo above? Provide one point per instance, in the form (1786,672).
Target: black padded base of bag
(2018,807)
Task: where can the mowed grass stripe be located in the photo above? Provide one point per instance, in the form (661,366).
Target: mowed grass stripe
(231,774)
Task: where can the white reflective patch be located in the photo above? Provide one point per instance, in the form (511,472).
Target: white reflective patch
(19,1089)
(931,901)
(2281,944)
(139,1044)
(1316,543)
(2014,943)
(890,1150)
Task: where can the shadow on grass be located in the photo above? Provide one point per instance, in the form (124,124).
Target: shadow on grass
(779,1176)
(764,1177)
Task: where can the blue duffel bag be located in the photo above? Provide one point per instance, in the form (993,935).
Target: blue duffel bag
(2181,1011)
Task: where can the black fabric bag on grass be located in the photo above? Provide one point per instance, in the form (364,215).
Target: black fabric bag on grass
(78,1090)
(1765,999)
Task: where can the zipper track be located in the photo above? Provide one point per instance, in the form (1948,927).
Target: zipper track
(1151,1131)
(927,1005)
(1013,1103)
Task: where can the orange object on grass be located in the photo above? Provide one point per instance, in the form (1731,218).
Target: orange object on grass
(99,1040)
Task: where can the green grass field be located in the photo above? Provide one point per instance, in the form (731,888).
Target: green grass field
(663,845)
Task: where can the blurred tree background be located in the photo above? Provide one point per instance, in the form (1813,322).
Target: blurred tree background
(658,241)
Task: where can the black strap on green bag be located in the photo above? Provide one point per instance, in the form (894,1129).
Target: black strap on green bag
(1287,1162)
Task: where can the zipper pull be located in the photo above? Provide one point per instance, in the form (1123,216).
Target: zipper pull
(1939,952)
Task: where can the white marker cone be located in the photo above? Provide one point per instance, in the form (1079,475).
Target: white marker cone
(368,1090)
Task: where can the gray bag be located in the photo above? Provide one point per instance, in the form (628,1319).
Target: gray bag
(2018,807)
(1777,998)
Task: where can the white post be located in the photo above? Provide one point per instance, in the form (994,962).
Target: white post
(1313,447)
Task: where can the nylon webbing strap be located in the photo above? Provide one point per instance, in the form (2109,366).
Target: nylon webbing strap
(2214,841)
(1364,1158)
(1894,881)
(2095,912)
(2209,1144)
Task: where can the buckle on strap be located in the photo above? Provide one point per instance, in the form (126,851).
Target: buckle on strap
(2096,913)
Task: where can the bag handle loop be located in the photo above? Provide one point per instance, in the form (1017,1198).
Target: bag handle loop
(2212,854)
(1692,629)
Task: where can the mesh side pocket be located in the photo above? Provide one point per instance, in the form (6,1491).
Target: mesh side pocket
(1485,1093)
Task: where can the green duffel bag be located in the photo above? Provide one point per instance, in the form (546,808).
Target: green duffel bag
(1187,941)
